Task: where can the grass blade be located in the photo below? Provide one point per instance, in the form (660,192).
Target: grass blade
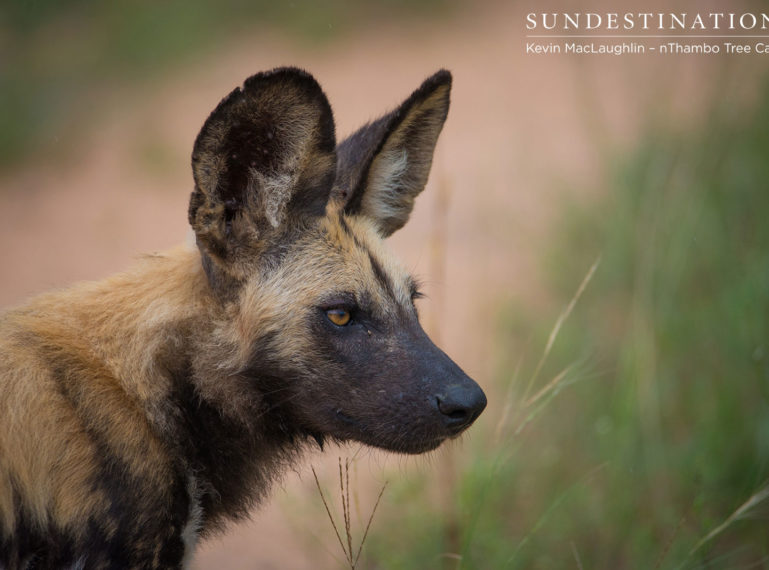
(368,525)
(328,511)
(754,500)
(559,323)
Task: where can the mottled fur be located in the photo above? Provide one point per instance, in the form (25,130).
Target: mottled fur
(144,411)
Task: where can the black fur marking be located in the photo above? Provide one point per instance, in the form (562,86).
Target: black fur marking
(35,547)
(343,224)
(213,448)
(248,145)
(224,286)
(379,271)
(276,385)
(149,537)
(381,276)
(233,461)
(318,439)
(196,201)
(157,520)
(376,267)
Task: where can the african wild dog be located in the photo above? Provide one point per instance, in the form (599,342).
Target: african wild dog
(142,412)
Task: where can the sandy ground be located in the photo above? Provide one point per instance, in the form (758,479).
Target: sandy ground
(525,133)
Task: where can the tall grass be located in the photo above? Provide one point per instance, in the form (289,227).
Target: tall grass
(643,441)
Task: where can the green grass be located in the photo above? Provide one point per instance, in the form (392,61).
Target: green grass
(60,56)
(651,450)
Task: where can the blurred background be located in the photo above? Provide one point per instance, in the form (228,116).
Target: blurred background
(594,241)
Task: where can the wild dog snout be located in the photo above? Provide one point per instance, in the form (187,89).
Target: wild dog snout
(460,403)
(457,399)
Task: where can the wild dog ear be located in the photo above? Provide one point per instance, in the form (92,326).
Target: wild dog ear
(265,155)
(384,165)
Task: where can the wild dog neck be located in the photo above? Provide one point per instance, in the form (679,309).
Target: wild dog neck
(173,349)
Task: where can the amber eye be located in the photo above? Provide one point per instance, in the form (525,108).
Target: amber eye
(340,317)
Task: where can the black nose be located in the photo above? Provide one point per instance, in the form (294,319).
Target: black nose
(460,405)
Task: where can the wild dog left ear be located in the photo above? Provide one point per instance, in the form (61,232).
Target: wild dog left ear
(265,156)
(385,165)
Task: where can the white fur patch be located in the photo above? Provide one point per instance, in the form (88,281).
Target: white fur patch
(194,521)
(384,201)
(190,240)
(273,194)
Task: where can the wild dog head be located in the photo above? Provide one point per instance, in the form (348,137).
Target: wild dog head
(290,227)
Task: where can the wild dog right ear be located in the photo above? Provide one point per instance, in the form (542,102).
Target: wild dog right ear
(264,157)
(384,165)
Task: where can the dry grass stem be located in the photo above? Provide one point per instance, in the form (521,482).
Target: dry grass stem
(559,323)
(550,386)
(576,555)
(344,490)
(328,512)
(368,525)
(669,544)
(755,500)
(550,390)
(502,423)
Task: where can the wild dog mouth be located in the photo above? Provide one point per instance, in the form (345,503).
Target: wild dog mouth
(403,442)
